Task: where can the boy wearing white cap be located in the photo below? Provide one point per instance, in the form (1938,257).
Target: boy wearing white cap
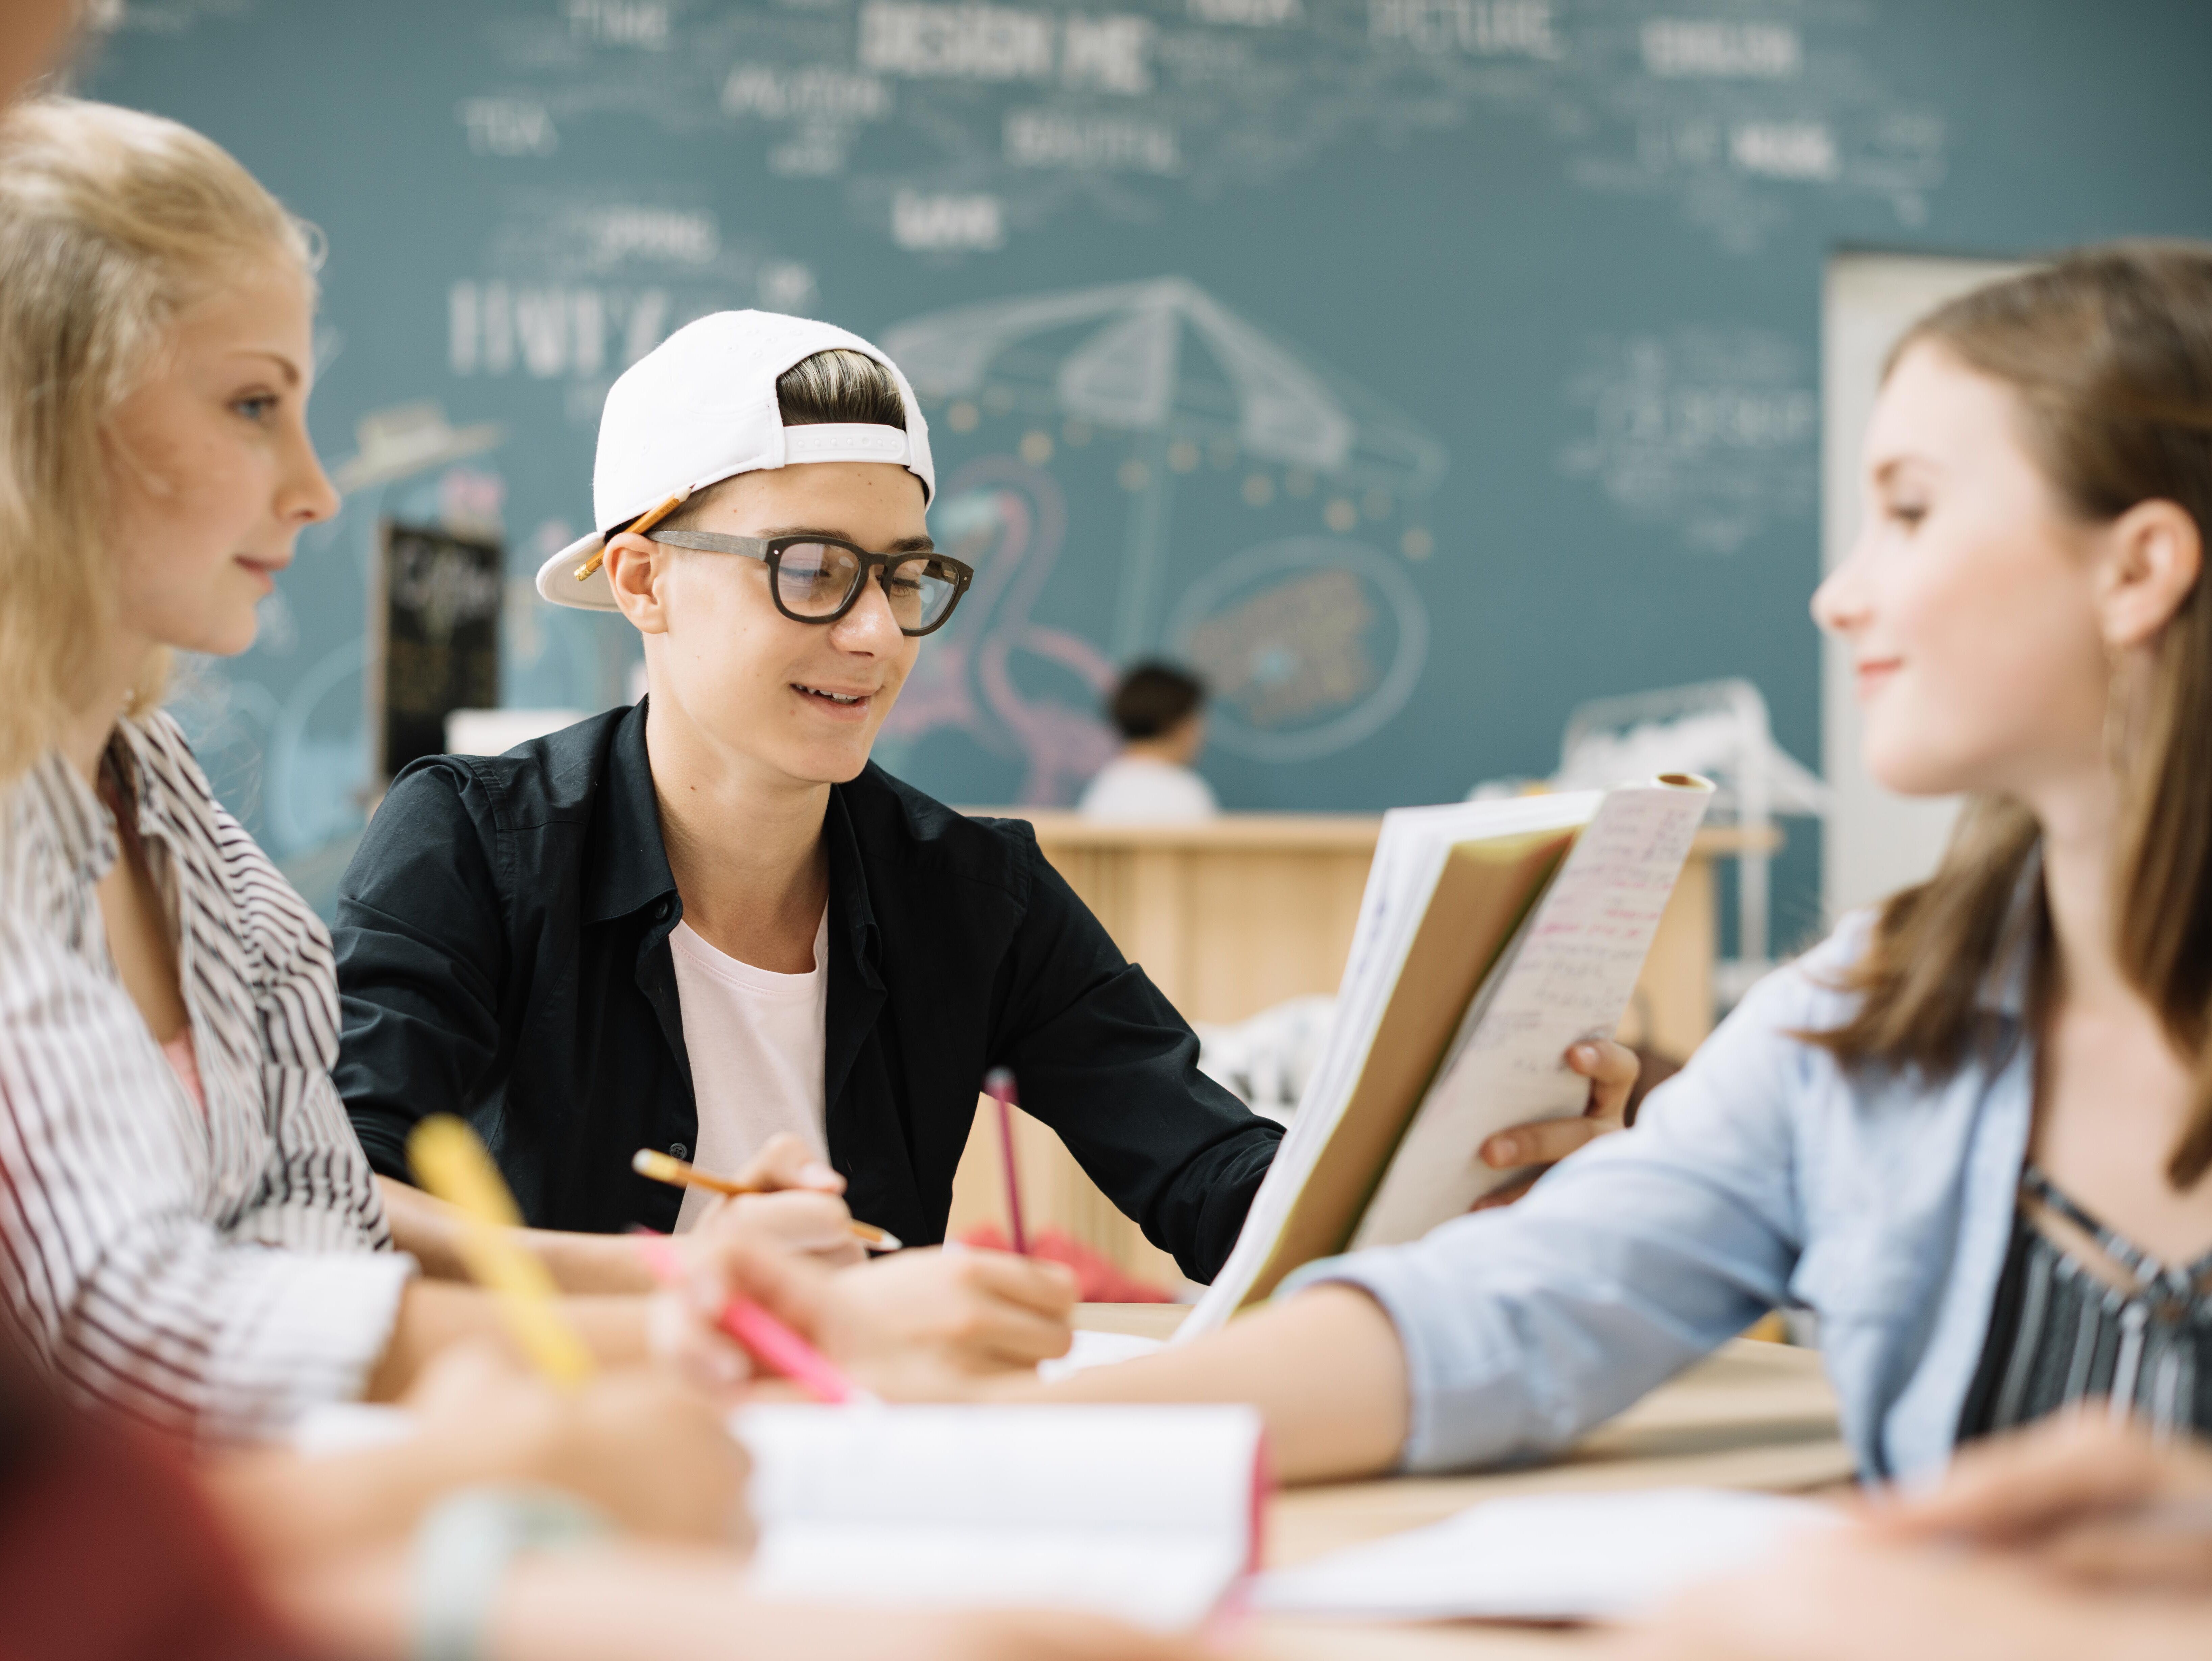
(709,922)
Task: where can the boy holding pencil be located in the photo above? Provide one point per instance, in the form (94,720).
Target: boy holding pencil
(708,926)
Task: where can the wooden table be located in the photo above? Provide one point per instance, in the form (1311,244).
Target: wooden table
(1229,916)
(1754,1415)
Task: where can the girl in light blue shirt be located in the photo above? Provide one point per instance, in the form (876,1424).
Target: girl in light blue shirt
(1970,1130)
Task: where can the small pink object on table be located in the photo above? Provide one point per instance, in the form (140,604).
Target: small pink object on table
(766,1339)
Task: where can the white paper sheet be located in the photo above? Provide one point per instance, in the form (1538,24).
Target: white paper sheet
(1547,1557)
(1098,1349)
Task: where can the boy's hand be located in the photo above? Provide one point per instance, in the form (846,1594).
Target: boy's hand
(801,1208)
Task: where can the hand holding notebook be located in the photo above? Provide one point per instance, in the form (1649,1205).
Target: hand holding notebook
(1492,935)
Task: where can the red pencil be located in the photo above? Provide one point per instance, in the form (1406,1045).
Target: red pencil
(999,1085)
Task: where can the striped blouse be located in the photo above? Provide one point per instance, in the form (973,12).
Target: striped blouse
(2060,1335)
(135,1230)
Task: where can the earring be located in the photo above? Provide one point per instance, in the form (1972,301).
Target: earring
(2116,712)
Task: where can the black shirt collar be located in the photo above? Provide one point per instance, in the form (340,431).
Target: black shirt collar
(848,885)
(631,870)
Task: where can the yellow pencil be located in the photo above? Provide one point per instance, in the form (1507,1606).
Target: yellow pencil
(453,1165)
(656,1166)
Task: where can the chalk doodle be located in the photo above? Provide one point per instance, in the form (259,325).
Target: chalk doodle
(1712,430)
(1309,645)
(1014,685)
(1175,373)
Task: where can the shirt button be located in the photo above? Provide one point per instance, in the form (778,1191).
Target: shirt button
(661,912)
(678,1151)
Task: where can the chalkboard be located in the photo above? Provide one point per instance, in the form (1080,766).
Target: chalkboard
(1418,367)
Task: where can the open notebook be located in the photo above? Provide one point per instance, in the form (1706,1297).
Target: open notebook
(1491,936)
(1149,1513)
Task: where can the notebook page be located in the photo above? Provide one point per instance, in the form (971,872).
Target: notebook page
(1410,860)
(1547,1557)
(1143,1512)
(1571,976)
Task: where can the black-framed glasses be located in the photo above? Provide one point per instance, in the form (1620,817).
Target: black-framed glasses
(817,579)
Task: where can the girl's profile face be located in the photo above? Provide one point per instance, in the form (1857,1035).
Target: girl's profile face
(1968,602)
(213,473)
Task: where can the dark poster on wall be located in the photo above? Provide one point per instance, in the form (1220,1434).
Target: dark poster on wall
(433,609)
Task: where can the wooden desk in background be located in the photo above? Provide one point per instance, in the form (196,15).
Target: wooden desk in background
(1233,915)
(1752,1416)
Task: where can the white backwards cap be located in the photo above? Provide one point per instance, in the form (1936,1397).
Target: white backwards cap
(699,408)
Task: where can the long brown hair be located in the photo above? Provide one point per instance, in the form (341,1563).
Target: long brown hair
(2109,352)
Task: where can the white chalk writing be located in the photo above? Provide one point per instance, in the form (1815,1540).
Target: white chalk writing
(1489,28)
(1716,48)
(973,43)
(1248,14)
(927,221)
(815,92)
(549,331)
(1785,150)
(1050,138)
(509,126)
(640,24)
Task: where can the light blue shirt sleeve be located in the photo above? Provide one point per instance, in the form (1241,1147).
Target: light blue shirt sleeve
(1526,1325)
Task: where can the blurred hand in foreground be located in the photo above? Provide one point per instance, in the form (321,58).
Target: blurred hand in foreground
(646,1448)
(1850,1597)
(2079,1495)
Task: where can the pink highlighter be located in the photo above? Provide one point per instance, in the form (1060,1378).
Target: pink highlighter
(767,1339)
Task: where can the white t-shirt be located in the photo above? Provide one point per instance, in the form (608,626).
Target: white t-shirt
(755,1040)
(1138,788)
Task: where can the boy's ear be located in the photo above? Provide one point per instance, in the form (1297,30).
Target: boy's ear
(634,570)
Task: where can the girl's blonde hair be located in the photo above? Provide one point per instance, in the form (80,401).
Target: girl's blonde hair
(2108,351)
(112,223)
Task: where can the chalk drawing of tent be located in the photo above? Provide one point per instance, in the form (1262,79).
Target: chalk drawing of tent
(1119,356)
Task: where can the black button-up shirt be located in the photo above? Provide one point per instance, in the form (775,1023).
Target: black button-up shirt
(502,946)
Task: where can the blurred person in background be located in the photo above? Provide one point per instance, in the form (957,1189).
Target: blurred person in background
(1160,712)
